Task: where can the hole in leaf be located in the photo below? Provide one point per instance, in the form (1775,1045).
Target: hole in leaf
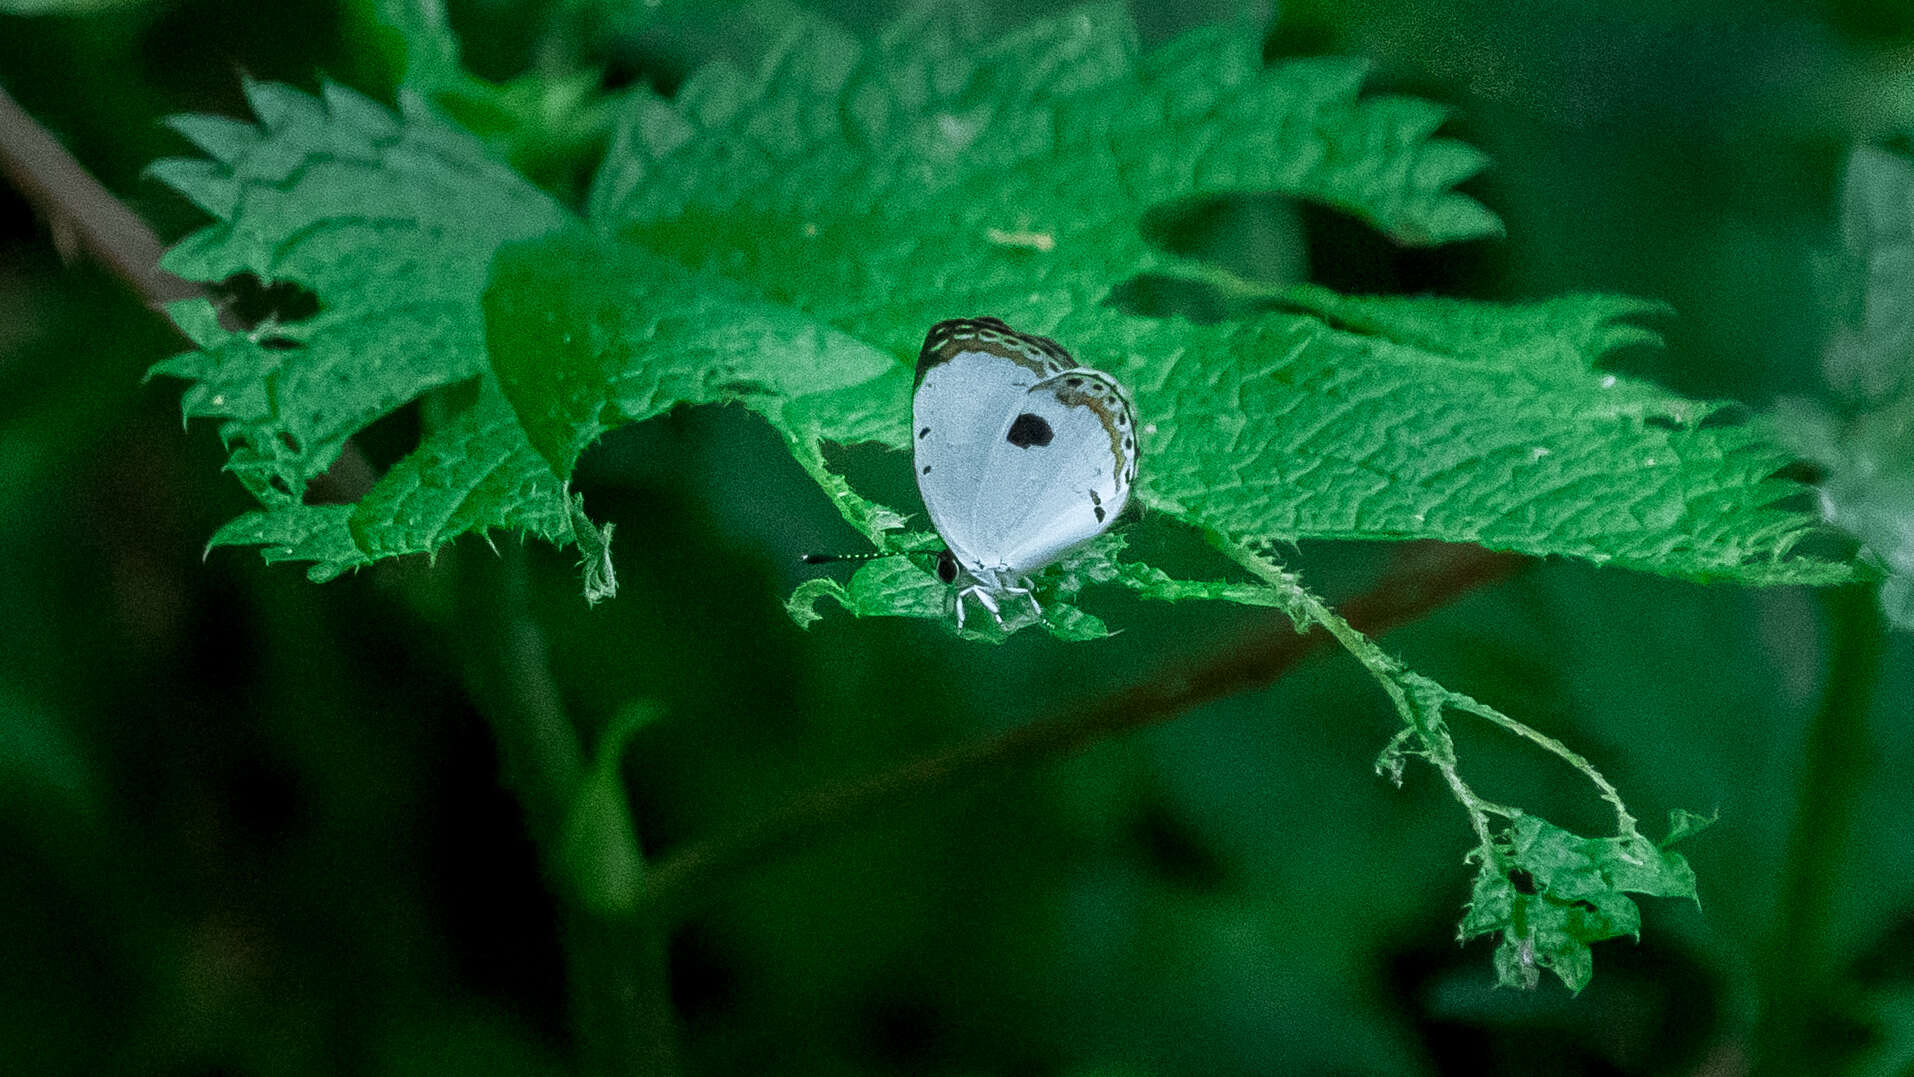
(1277,241)
(1523,882)
(252,302)
(279,483)
(1158,295)
(1806,472)
(389,438)
(1256,236)
(1352,256)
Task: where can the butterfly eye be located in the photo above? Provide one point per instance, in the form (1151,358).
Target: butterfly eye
(947,567)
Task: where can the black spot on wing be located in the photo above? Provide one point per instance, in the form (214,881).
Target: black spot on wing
(1030,430)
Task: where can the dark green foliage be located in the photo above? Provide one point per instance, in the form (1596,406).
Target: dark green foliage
(670,263)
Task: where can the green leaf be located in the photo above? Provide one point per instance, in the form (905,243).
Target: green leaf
(548,122)
(781,239)
(415,37)
(1494,430)
(891,586)
(937,171)
(587,335)
(391,223)
(1337,417)
(1684,824)
(1548,894)
(897,587)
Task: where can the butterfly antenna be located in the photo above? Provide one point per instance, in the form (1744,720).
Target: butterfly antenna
(830,558)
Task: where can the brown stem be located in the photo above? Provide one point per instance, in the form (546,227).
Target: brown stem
(86,218)
(83,215)
(1424,578)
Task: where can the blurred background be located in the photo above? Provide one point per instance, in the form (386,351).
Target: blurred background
(252,825)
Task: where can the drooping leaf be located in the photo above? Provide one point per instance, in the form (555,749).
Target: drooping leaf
(1549,894)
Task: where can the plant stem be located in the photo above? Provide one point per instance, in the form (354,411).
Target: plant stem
(1422,713)
(621,1010)
(1425,577)
(86,217)
(83,215)
(1798,966)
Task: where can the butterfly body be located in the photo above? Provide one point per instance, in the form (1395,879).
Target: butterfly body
(1022,455)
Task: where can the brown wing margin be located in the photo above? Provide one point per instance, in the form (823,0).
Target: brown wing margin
(948,339)
(1110,402)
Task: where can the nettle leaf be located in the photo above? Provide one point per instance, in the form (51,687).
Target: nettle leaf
(1547,894)
(391,223)
(781,238)
(893,584)
(882,186)
(879,188)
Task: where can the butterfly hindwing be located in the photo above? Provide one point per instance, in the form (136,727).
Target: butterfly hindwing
(1055,479)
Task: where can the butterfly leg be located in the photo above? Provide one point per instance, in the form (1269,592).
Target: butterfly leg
(988,602)
(983,598)
(1022,587)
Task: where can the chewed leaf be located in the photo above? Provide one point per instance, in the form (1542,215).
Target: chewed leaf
(890,587)
(1501,434)
(782,237)
(941,173)
(1549,894)
(389,223)
(475,473)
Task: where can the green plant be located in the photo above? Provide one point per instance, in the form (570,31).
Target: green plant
(780,238)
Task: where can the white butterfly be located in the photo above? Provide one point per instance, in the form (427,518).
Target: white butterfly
(1021,454)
